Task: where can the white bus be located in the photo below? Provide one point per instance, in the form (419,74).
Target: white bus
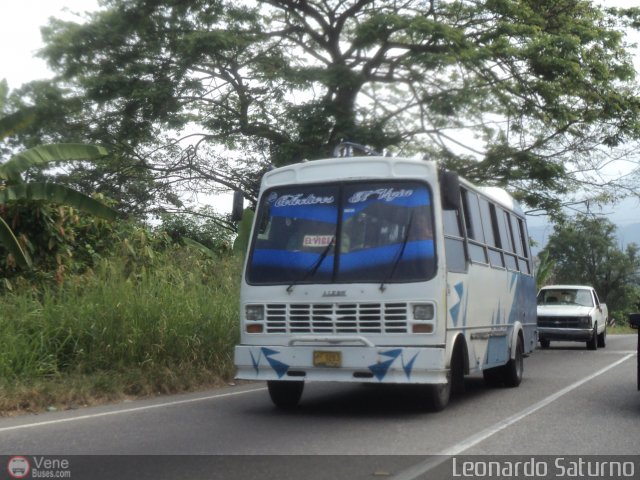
(384,270)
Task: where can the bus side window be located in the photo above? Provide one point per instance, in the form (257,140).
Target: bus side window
(491,233)
(454,241)
(504,226)
(473,222)
(524,259)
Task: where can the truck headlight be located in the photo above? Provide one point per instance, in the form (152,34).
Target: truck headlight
(423,311)
(254,313)
(584,321)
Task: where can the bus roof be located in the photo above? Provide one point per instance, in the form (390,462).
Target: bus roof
(349,168)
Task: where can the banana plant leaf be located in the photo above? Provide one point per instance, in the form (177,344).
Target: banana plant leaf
(45,154)
(54,193)
(10,242)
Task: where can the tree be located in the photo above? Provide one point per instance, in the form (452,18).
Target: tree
(544,269)
(55,115)
(536,95)
(584,251)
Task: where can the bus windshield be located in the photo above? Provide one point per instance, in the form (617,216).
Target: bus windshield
(374,232)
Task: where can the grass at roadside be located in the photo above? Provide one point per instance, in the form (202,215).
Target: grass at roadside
(620,329)
(120,331)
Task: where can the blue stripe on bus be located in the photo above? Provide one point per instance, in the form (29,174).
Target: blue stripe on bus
(366,258)
(267,257)
(370,257)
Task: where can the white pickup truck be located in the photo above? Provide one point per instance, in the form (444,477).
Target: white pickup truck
(571,312)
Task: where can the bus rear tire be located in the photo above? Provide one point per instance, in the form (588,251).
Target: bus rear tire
(285,394)
(544,343)
(510,374)
(492,377)
(513,370)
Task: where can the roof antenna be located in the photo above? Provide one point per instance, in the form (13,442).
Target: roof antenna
(347,149)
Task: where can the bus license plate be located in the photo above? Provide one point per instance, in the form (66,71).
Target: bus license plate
(327,359)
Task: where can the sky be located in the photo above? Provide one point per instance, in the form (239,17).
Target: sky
(20,39)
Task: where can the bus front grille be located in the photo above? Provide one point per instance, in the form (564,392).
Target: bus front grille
(352,318)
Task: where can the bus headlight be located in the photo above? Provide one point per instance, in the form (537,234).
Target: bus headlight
(254,313)
(423,311)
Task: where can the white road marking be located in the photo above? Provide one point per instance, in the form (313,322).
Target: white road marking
(419,469)
(128,410)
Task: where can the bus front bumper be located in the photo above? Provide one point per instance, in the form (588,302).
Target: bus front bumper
(342,364)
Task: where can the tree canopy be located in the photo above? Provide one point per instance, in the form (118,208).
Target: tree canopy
(535,95)
(584,251)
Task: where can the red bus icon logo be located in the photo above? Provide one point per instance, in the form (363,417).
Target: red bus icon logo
(18,467)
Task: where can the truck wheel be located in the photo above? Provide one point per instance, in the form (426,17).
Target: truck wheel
(513,370)
(285,394)
(602,338)
(545,342)
(592,344)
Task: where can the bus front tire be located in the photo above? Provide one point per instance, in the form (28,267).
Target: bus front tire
(439,395)
(285,394)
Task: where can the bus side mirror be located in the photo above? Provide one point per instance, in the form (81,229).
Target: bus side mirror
(238,206)
(450,190)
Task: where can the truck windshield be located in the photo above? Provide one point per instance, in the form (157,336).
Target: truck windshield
(565,297)
(378,232)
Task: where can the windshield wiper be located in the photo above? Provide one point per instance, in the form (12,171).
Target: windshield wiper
(314,268)
(396,260)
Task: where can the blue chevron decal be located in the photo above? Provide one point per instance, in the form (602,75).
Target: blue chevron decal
(256,362)
(392,353)
(381,369)
(497,315)
(279,367)
(409,366)
(455,309)
(267,352)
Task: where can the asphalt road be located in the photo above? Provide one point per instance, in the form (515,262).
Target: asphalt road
(571,402)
